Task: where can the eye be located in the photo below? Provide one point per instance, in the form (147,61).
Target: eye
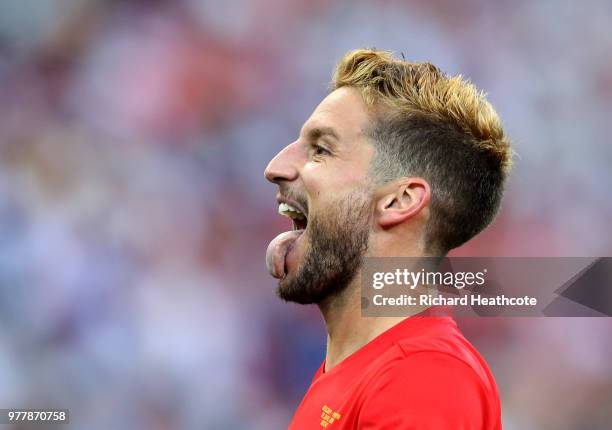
(318,150)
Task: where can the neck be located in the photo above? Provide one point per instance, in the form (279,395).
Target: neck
(347,330)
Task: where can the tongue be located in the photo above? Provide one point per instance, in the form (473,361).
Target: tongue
(277,251)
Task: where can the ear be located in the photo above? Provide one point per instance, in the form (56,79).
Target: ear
(404,200)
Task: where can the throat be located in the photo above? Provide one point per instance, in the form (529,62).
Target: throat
(346,329)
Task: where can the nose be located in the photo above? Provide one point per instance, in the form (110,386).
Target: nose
(283,167)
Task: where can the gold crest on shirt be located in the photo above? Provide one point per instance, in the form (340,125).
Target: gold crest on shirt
(328,416)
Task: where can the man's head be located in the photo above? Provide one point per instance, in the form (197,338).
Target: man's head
(397,157)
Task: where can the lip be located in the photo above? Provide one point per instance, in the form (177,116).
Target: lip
(281,199)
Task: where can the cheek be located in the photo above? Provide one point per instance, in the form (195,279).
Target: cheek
(335,177)
(316,180)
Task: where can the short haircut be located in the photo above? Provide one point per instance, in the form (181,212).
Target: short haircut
(438,127)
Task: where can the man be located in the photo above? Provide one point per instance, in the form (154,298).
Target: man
(398,160)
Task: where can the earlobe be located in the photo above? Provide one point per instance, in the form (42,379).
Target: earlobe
(407,199)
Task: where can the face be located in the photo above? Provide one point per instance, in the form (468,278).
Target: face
(324,187)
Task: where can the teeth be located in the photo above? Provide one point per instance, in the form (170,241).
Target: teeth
(290,211)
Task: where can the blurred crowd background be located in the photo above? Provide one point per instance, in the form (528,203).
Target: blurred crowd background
(134,215)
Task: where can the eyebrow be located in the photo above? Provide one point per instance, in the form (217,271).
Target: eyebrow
(316,133)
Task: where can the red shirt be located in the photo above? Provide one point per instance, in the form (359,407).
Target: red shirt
(421,374)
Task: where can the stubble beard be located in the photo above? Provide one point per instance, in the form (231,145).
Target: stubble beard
(338,241)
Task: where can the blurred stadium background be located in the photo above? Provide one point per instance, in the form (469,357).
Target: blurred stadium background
(134,215)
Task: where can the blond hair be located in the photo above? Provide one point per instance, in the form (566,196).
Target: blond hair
(439,127)
(404,88)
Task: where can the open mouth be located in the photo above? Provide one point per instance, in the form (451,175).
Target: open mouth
(281,255)
(299,218)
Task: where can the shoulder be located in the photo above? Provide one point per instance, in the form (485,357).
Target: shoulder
(427,372)
(438,381)
(444,343)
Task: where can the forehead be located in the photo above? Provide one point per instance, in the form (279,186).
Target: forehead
(343,110)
